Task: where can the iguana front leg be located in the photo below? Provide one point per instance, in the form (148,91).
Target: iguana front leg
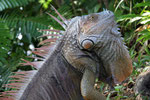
(83,62)
(88,66)
(87,84)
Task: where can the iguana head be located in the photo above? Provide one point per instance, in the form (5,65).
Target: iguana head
(94,26)
(99,33)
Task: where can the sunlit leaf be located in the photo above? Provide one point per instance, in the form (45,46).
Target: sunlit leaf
(145,21)
(135,19)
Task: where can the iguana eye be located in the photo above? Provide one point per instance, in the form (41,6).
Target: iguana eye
(87,43)
(91,17)
(82,30)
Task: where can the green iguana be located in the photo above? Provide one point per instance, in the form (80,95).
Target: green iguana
(90,47)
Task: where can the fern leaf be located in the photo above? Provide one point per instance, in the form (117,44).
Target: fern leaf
(4,4)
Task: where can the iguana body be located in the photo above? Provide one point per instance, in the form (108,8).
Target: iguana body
(90,47)
(56,80)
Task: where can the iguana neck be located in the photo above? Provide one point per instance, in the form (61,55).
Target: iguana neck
(111,49)
(115,57)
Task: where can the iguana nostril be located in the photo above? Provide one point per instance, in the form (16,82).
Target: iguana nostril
(87,43)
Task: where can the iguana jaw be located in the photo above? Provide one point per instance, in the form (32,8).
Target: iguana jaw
(116,59)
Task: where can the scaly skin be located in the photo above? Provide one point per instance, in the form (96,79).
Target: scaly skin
(97,33)
(91,47)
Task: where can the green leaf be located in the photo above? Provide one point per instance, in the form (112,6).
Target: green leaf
(26,26)
(126,17)
(121,1)
(135,19)
(143,4)
(5,38)
(96,8)
(144,21)
(146,13)
(117,88)
(145,35)
(4,4)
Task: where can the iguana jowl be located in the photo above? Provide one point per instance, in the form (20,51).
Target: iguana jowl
(69,73)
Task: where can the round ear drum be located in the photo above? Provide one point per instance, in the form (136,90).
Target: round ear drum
(87,43)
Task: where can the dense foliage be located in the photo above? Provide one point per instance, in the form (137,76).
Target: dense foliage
(20,22)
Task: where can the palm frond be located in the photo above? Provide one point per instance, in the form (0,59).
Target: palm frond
(29,27)
(5,38)
(5,72)
(4,4)
(26,26)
